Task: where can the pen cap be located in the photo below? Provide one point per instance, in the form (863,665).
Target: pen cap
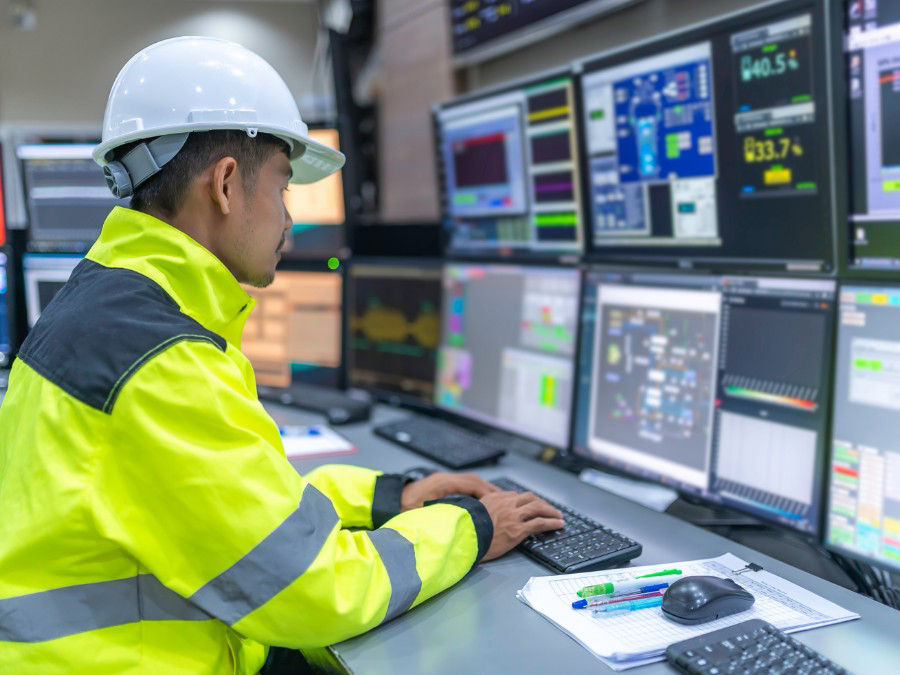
(599,589)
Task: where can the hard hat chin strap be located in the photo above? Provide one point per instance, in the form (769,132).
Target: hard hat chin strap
(144,160)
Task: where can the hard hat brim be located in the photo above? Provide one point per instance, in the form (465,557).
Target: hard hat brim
(310,160)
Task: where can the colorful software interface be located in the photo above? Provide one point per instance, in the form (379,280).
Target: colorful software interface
(873,64)
(715,385)
(864,477)
(475,22)
(394,324)
(294,332)
(5,337)
(507,347)
(66,197)
(45,275)
(713,144)
(510,170)
(317,210)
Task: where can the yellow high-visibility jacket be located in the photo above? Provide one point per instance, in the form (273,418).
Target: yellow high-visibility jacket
(149,520)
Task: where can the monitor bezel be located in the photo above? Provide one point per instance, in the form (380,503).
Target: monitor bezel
(697,258)
(820,475)
(515,255)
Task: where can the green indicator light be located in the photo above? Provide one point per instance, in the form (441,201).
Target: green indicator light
(598,114)
(464,200)
(556,219)
(333,263)
(861,364)
(769,48)
(774,131)
(864,298)
(806,186)
(891,185)
(802,98)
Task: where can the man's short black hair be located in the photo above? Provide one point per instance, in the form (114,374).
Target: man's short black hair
(166,191)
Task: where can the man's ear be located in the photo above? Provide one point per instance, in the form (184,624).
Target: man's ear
(223,184)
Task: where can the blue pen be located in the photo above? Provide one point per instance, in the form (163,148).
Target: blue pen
(644,603)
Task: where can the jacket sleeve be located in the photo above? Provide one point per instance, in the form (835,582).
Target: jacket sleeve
(362,497)
(197,489)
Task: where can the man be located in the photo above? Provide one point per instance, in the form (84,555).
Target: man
(149,521)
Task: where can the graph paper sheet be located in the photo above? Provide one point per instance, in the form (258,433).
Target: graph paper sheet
(628,639)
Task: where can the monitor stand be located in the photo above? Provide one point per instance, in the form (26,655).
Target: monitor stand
(793,548)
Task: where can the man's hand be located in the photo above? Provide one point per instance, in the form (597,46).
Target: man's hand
(439,485)
(516,516)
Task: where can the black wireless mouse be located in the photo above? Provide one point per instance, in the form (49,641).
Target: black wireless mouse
(701,599)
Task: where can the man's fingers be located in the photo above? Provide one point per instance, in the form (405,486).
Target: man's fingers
(536,525)
(524,498)
(539,508)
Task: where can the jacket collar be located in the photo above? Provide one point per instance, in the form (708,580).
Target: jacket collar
(196,279)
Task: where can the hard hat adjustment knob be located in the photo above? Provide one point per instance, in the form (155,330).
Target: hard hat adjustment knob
(117,179)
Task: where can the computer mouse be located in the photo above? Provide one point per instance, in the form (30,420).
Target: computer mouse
(700,599)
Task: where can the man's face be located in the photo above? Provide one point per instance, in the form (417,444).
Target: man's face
(266,223)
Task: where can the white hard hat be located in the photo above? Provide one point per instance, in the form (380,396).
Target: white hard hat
(186,84)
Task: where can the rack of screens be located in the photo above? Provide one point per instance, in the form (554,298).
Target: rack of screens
(864,475)
(507,347)
(716,385)
(293,335)
(508,163)
(66,196)
(873,72)
(393,327)
(317,211)
(714,145)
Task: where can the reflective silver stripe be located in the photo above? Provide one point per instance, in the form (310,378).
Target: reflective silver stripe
(399,558)
(274,564)
(59,612)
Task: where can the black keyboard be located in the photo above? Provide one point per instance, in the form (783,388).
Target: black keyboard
(337,406)
(442,442)
(753,646)
(583,544)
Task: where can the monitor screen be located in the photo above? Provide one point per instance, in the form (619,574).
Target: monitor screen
(393,326)
(6,310)
(873,72)
(66,196)
(493,27)
(715,385)
(714,144)
(44,274)
(864,476)
(294,332)
(509,170)
(317,210)
(508,347)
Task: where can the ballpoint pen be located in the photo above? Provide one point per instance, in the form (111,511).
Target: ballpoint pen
(634,585)
(600,600)
(631,605)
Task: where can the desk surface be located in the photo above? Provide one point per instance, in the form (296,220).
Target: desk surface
(480,626)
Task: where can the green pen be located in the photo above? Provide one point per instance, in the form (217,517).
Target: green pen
(609,588)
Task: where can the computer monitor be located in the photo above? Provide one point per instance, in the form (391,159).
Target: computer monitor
(44,274)
(509,171)
(317,210)
(715,385)
(7,332)
(66,196)
(713,145)
(294,332)
(507,348)
(873,79)
(864,475)
(393,327)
